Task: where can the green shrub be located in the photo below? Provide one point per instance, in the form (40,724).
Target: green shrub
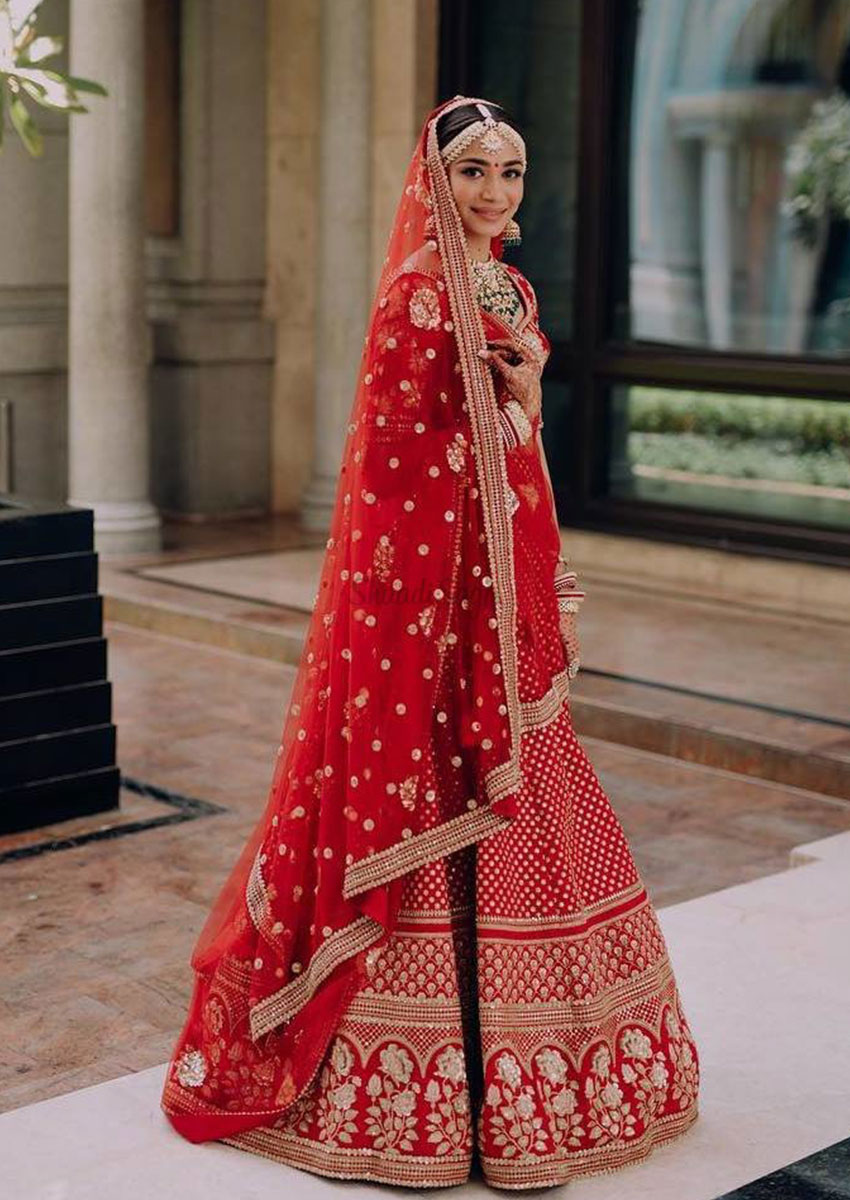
(770,460)
(806,425)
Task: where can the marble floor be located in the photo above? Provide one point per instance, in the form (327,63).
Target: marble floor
(766,987)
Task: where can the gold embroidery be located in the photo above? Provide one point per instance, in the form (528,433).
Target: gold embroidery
(424,308)
(455,452)
(561,1101)
(191,1069)
(382,559)
(529,490)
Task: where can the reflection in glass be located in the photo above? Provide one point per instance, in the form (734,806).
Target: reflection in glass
(526,57)
(769,457)
(718,256)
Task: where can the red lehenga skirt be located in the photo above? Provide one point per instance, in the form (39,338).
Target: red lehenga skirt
(524,1012)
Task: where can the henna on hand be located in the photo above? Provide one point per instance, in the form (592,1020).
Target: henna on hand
(522,376)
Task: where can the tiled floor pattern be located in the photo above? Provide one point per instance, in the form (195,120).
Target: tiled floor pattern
(96,939)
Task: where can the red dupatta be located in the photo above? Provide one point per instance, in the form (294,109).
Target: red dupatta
(421,523)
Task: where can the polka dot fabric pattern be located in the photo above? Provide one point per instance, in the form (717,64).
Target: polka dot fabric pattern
(523,1019)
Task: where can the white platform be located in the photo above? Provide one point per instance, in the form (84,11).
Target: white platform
(764,971)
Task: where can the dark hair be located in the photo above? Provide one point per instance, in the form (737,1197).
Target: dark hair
(456,119)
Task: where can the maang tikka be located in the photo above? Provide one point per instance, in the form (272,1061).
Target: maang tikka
(491,133)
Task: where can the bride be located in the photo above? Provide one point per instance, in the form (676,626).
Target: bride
(436,945)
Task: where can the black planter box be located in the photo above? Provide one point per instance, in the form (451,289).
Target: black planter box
(57,740)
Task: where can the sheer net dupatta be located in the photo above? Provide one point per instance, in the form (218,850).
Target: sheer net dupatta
(417,580)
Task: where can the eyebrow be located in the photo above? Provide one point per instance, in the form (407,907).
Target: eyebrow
(485,162)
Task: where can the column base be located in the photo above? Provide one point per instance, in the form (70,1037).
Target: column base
(123,526)
(317,504)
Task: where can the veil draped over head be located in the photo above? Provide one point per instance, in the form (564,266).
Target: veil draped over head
(416,590)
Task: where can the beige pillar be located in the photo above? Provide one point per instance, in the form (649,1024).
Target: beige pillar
(293,67)
(108,436)
(344,227)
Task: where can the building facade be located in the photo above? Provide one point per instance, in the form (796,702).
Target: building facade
(183,298)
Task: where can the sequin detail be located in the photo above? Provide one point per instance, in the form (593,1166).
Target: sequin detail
(191,1069)
(424,308)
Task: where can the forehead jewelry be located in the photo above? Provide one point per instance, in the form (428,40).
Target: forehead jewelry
(491,133)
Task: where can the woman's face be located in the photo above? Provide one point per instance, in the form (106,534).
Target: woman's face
(487,188)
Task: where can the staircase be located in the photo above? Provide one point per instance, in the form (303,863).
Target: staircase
(57,740)
(738,687)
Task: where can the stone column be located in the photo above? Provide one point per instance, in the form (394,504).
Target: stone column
(108,439)
(716,218)
(344,240)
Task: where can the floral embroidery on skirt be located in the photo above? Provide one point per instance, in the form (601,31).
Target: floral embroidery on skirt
(524,1012)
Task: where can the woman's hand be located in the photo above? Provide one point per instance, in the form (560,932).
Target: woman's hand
(523,377)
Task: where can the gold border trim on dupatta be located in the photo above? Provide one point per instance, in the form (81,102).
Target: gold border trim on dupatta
(285,1003)
(396,860)
(489,449)
(506,778)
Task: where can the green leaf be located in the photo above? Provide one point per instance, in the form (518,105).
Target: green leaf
(86,85)
(49,88)
(25,126)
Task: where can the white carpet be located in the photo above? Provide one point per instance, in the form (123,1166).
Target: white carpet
(764,971)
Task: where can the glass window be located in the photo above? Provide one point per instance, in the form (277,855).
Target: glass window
(738,181)
(767,457)
(526,56)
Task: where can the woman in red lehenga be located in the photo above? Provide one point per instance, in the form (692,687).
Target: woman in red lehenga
(436,944)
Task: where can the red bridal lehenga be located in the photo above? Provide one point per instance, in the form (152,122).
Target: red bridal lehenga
(436,944)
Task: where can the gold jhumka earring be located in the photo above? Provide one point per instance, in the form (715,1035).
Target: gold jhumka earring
(511,235)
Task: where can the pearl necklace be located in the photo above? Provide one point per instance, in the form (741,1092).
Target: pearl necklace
(496,291)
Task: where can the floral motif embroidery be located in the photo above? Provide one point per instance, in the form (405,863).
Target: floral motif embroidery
(382,559)
(422,187)
(424,308)
(333,1105)
(647,1074)
(191,1069)
(251,1072)
(426,619)
(609,1115)
(515,1127)
(529,490)
(407,792)
(560,1093)
(391,1119)
(685,1066)
(214,1015)
(511,499)
(449,1100)
(455,452)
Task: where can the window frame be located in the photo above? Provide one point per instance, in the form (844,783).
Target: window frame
(595,361)
(592,360)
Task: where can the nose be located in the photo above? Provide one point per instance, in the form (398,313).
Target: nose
(491,189)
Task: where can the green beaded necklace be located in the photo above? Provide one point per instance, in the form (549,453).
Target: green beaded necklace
(496,291)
